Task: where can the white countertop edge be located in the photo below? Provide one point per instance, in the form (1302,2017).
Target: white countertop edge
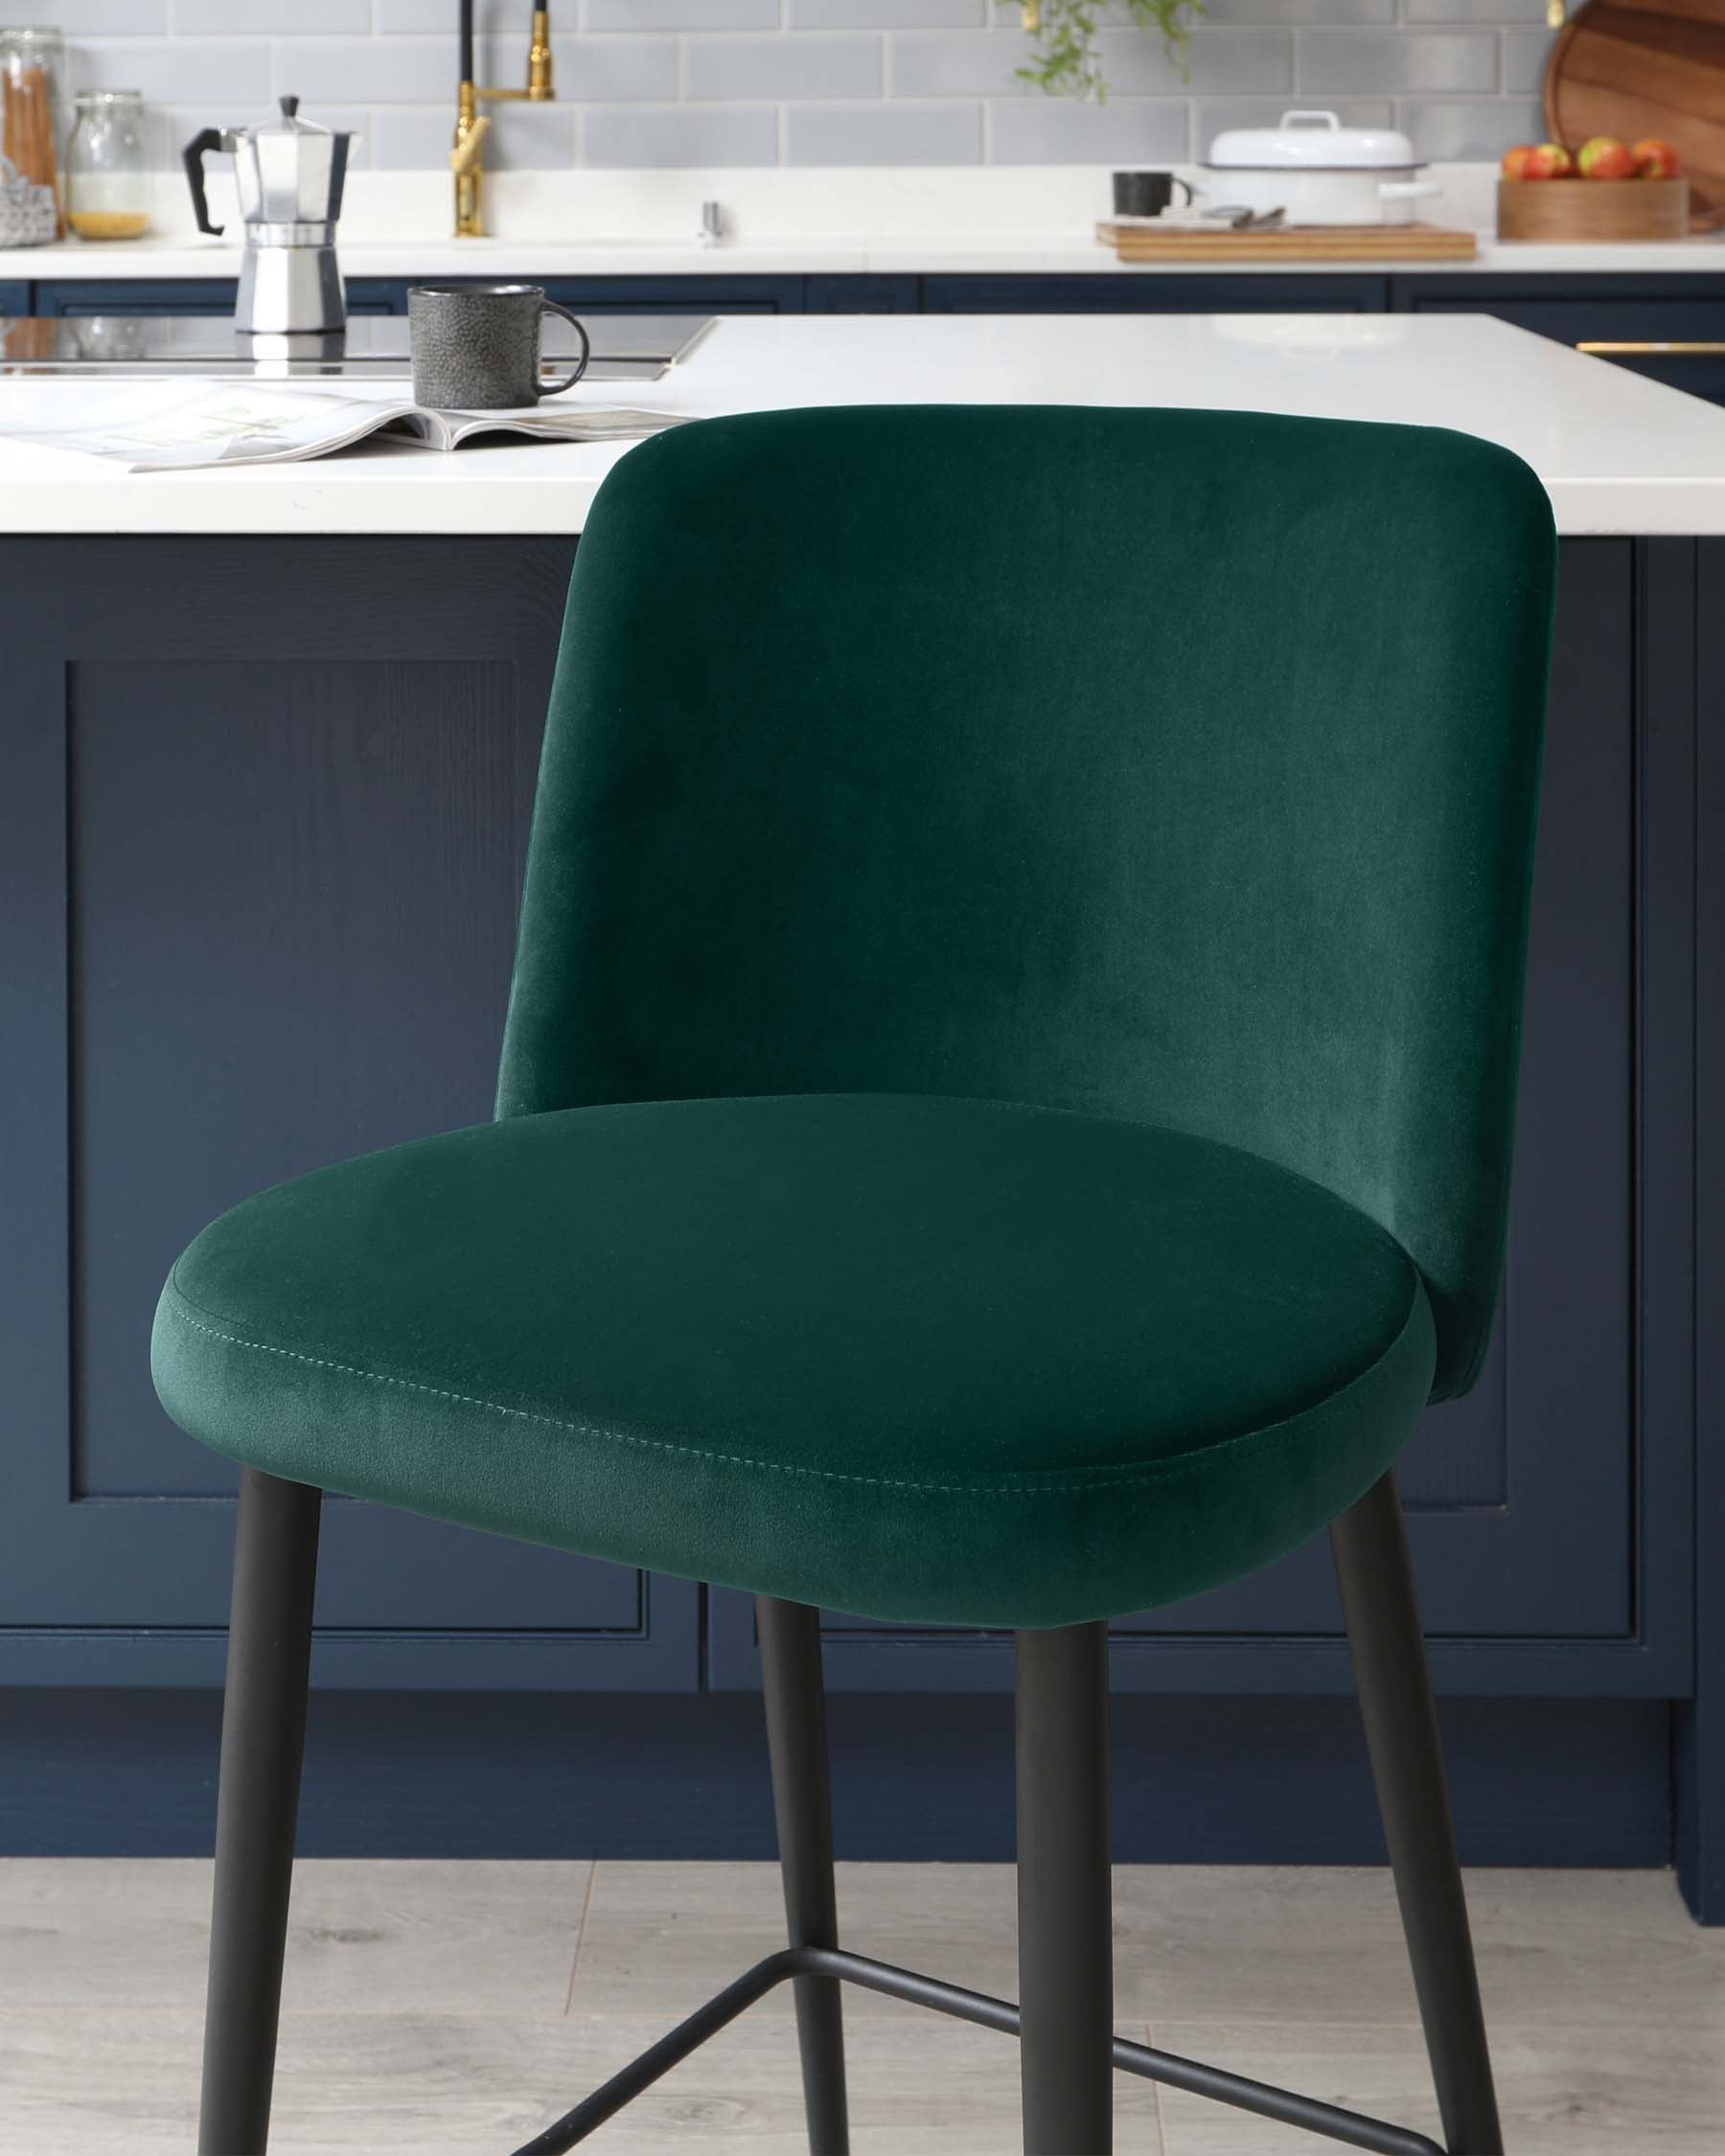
(526,508)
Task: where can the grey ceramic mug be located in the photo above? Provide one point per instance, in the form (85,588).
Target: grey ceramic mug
(477,346)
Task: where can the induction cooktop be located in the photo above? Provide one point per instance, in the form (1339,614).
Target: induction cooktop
(626,347)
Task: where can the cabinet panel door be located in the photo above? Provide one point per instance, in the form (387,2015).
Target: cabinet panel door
(618,295)
(212,296)
(1609,316)
(1156,292)
(1523,1497)
(85,296)
(852,294)
(677,295)
(267,806)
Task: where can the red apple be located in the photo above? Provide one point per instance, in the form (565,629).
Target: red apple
(1548,161)
(1604,157)
(1516,161)
(1655,159)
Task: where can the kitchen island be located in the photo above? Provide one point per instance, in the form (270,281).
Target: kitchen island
(1617,454)
(269,752)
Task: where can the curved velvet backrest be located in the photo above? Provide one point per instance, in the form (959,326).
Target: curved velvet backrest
(1171,764)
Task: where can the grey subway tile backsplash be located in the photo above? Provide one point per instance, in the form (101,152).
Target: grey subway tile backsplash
(1214,60)
(1475,10)
(80,19)
(367,70)
(253,18)
(965,64)
(889,15)
(883,134)
(221,71)
(1525,54)
(1478,127)
(783,67)
(1289,15)
(679,14)
(669,135)
(595,70)
(1061,131)
(746,81)
(507,18)
(1394,60)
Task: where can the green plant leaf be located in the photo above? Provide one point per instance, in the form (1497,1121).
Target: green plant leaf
(1064,60)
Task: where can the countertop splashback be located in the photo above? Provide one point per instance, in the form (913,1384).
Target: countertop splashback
(724,84)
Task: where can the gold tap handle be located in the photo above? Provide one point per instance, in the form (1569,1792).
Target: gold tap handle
(539,85)
(465,153)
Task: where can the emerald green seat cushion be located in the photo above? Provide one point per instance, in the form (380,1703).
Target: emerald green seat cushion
(919,1358)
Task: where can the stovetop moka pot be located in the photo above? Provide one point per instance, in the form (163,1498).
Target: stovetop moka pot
(290,174)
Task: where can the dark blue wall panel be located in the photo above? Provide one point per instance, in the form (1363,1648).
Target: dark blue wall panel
(1196,1781)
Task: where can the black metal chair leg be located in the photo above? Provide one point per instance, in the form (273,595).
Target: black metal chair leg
(1064,1894)
(796,1740)
(1378,1599)
(263,1738)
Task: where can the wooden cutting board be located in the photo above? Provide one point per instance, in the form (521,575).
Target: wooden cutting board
(1646,67)
(1289,242)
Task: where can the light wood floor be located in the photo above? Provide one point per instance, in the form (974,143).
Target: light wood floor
(436,2008)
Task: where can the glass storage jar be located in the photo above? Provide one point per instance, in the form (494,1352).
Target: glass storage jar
(107,185)
(33,67)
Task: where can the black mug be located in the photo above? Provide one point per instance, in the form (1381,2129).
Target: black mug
(1145,195)
(477,346)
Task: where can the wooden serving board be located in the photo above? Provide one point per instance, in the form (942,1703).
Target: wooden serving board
(1646,67)
(1290,243)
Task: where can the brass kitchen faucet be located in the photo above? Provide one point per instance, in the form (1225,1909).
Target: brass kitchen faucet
(467,159)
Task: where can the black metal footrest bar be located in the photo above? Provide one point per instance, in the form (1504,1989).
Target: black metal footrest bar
(1351,2127)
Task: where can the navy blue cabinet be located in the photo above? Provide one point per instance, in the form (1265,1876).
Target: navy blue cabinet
(86,296)
(1623,312)
(388,295)
(264,813)
(863,295)
(674,295)
(1106,293)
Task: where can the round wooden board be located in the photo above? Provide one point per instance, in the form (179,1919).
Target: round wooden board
(1646,67)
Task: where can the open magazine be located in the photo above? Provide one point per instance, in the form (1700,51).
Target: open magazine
(180,428)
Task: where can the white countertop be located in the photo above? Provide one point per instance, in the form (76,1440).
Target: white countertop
(1617,454)
(1008,220)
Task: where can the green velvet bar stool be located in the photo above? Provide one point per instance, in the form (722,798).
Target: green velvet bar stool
(1005,1120)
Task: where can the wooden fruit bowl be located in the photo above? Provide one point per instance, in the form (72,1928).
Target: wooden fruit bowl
(1592,209)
